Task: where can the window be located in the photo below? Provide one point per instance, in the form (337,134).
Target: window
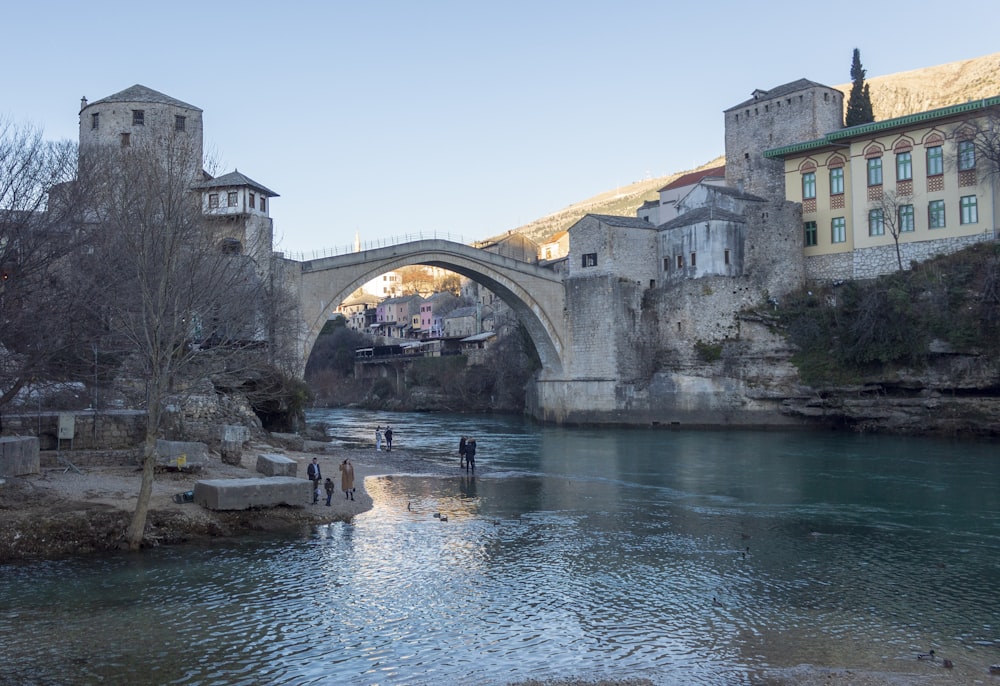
(935,214)
(252,200)
(935,161)
(126,139)
(231,199)
(213,199)
(837,181)
(875,171)
(680,262)
(904,166)
(666,264)
(726,255)
(262,208)
(138,117)
(966,155)
(95,120)
(810,233)
(808,185)
(970,213)
(180,123)
(905,218)
(694,261)
(590,259)
(876,227)
(838,230)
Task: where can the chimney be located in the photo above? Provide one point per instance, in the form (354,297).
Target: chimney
(83,102)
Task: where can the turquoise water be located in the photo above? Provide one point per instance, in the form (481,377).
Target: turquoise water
(682,557)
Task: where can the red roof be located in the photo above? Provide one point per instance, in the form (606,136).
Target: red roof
(691,178)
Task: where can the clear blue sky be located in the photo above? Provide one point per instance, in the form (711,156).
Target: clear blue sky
(463,117)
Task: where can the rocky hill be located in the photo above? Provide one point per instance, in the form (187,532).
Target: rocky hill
(893,95)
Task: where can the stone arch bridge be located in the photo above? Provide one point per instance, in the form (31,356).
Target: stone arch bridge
(535,294)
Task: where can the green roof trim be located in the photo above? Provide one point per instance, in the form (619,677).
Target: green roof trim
(833,137)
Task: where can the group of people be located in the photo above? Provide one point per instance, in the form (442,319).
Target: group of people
(467,453)
(388,438)
(346,481)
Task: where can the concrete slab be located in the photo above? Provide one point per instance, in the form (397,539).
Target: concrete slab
(242,494)
(272,464)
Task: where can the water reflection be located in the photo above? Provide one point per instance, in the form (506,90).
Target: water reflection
(701,557)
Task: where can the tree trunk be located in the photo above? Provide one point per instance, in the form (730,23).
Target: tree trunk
(137,527)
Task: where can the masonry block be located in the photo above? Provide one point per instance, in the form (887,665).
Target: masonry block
(18,455)
(242,494)
(271,464)
(181,454)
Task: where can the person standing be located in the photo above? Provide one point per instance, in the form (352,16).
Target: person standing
(461,452)
(470,455)
(313,472)
(378,438)
(388,439)
(346,479)
(328,485)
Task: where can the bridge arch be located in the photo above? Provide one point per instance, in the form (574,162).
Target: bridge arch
(535,294)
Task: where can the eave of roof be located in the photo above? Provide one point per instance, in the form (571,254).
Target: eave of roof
(235,178)
(836,137)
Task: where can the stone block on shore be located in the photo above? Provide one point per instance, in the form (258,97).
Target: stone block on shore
(242,494)
(181,454)
(271,464)
(19,455)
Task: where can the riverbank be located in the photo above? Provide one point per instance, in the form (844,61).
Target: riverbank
(65,511)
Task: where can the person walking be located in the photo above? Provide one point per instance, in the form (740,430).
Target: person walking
(461,452)
(313,472)
(470,455)
(346,479)
(378,438)
(388,439)
(328,485)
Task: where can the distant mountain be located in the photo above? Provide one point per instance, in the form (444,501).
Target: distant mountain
(893,95)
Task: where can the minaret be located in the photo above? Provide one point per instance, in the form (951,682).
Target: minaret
(357,241)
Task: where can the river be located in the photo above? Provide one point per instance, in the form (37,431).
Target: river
(707,558)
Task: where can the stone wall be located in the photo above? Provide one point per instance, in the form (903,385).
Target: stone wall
(106,429)
(868,263)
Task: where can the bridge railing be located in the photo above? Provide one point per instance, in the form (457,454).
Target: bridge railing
(371,245)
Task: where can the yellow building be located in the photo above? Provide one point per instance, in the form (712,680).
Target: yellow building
(919,183)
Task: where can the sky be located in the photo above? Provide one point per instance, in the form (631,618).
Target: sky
(424,118)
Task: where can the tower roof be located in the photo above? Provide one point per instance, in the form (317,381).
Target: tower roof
(140,93)
(235,178)
(784,89)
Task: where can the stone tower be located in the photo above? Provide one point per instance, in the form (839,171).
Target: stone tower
(792,113)
(140,116)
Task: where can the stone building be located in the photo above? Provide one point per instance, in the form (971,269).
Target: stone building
(172,130)
(789,113)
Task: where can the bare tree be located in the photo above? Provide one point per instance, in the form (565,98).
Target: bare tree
(986,142)
(896,217)
(164,285)
(37,204)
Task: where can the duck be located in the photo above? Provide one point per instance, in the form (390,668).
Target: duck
(929,655)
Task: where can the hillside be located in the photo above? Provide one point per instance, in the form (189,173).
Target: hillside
(893,95)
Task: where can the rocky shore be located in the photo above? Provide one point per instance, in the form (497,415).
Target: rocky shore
(68,510)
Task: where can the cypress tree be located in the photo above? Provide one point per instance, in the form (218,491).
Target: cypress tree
(859,105)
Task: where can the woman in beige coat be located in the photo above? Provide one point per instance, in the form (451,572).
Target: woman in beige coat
(347,478)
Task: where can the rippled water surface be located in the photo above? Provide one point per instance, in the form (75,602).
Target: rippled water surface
(682,557)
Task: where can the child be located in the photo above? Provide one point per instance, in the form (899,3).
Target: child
(316,492)
(328,485)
